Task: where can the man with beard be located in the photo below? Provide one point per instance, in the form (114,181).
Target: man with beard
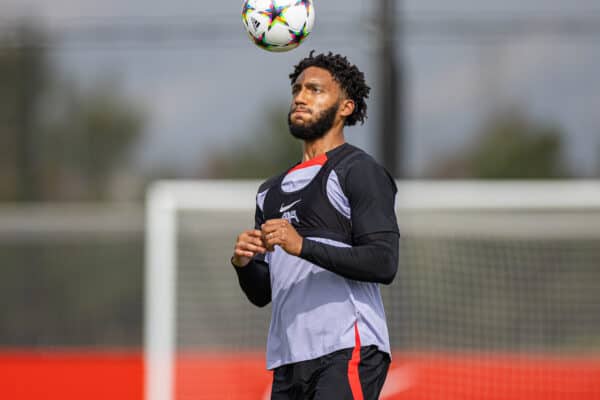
(325,237)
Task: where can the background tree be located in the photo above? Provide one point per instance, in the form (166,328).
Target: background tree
(23,79)
(86,138)
(509,145)
(267,152)
(57,141)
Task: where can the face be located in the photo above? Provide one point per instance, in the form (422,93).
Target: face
(317,105)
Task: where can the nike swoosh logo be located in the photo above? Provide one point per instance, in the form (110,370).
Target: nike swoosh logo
(285,208)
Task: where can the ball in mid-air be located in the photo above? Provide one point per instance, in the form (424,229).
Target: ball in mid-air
(278,25)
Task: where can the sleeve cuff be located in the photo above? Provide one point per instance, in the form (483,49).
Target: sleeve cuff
(308,247)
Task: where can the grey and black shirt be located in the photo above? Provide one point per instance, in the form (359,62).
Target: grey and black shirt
(342,204)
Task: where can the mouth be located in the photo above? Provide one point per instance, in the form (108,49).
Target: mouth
(301,111)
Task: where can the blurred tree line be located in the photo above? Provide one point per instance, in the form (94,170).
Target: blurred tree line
(58,141)
(509,145)
(265,152)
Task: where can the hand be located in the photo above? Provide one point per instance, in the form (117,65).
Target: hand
(248,244)
(281,232)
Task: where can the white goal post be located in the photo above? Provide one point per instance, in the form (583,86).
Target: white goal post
(166,198)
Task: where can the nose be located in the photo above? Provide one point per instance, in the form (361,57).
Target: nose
(300,97)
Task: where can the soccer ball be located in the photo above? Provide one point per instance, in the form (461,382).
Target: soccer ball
(278,25)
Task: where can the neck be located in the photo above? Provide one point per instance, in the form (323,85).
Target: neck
(315,148)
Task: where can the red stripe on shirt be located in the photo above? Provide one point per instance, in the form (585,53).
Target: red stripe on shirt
(318,160)
(353,378)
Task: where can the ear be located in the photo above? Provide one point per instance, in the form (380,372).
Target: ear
(346,108)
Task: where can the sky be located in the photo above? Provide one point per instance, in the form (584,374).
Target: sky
(208,95)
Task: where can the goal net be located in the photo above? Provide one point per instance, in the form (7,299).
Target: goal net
(497,294)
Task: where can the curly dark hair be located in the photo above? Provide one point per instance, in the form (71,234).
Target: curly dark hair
(350,78)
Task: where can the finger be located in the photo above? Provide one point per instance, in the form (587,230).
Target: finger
(249,243)
(252,247)
(265,227)
(269,243)
(246,238)
(276,241)
(269,228)
(273,222)
(275,237)
(254,233)
(268,236)
(268,239)
(258,242)
(256,238)
(251,237)
(243,253)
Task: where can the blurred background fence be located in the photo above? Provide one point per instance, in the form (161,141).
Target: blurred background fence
(71,276)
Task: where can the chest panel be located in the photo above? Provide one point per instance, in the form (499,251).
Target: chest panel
(309,209)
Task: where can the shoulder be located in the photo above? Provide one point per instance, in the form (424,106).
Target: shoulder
(360,170)
(265,186)
(356,158)
(269,183)
(360,158)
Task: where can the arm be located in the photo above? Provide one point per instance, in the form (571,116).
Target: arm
(255,282)
(373,259)
(249,263)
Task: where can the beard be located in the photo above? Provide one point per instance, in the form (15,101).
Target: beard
(317,129)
